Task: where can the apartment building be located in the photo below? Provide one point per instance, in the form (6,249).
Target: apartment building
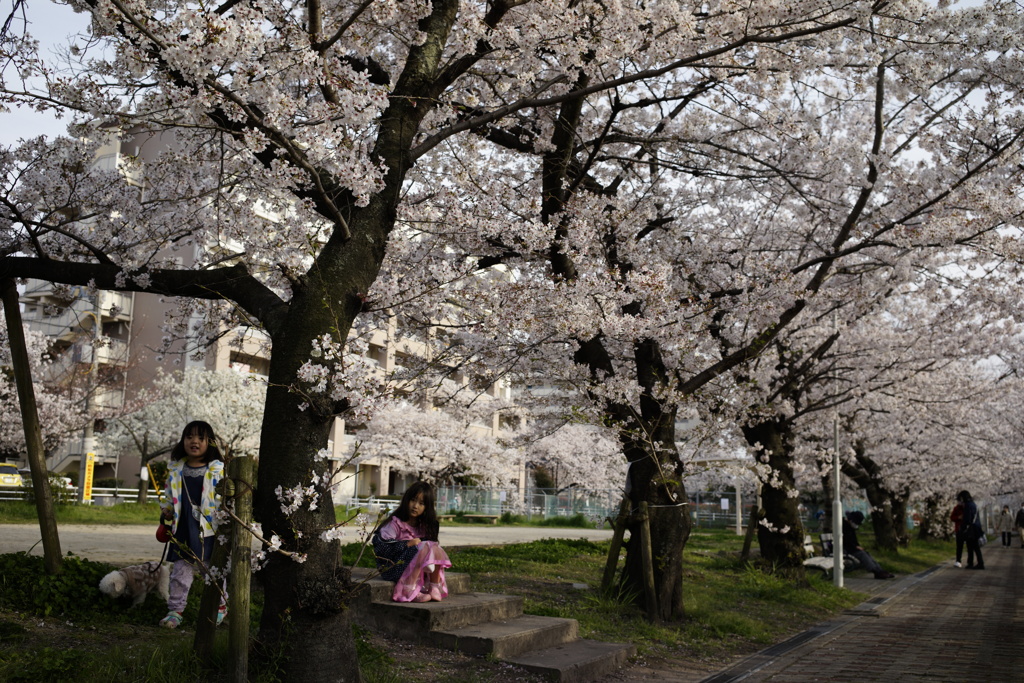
(115,344)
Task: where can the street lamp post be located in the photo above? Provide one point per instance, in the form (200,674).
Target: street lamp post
(837,511)
(837,503)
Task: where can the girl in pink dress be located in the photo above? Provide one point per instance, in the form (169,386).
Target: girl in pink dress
(407,550)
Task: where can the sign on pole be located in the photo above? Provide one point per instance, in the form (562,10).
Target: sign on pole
(90,465)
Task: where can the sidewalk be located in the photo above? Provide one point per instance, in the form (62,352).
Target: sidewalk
(943,625)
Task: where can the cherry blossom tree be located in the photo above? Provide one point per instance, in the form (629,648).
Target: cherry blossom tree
(437,446)
(658,248)
(582,455)
(230,401)
(657,160)
(904,381)
(61,412)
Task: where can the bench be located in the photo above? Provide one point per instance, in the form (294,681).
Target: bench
(445,518)
(825,561)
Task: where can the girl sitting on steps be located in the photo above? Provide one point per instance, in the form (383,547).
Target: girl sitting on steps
(407,550)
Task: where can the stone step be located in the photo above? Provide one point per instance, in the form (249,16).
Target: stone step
(503,639)
(379,590)
(580,661)
(415,621)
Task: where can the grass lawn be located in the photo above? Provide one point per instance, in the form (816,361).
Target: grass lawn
(733,608)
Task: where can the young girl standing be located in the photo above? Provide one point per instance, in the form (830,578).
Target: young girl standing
(407,550)
(190,501)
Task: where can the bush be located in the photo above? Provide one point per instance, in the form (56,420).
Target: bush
(108,483)
(61,494)
(578,520)
(73,594)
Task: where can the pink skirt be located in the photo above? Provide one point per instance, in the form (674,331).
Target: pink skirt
(416,577)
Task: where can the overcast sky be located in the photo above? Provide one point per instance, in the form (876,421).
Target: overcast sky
(50,24)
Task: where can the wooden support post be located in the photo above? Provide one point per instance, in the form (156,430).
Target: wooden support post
(613,552)
(647,555)
(30,423)
(207,622)
(241,573)
(748,540)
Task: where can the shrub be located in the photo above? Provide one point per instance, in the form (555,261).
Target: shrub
(61,494)
(577,520)
(73,594)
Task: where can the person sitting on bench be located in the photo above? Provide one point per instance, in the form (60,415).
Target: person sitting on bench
(851,546)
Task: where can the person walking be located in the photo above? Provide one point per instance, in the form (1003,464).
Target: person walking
(957,515)
(1004,526)
(1019,523)
(972,530)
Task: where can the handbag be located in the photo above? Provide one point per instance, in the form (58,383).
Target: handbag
(982,539)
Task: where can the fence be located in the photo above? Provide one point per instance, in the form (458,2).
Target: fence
(100,496)
(707,510)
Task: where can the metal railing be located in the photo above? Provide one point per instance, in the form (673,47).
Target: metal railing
(100,496)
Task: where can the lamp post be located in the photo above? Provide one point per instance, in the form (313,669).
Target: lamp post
(837,511)
(837,503)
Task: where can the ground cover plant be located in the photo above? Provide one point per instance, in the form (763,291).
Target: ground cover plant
(54,628)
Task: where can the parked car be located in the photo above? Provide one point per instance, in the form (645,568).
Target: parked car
(55,479)
(9,476)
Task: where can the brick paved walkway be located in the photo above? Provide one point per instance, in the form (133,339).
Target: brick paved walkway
(945,625)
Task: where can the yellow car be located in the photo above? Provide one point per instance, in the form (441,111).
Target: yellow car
(9,476)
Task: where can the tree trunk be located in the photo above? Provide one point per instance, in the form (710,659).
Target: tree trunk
(656,478)
(781,534)
(669,519)
(867,474)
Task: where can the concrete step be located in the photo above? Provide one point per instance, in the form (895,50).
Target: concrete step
(580,661)
(416,620)
(378,590)
(503,639)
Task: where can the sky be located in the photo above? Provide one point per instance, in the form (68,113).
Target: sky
(51,24)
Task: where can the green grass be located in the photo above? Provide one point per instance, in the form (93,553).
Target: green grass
(732,608)
(17,512)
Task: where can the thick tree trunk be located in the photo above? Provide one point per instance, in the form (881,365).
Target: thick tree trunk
(867,474)
(305,614)
(669,519)
(781,533)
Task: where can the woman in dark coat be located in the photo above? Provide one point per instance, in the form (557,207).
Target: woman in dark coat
(972,530)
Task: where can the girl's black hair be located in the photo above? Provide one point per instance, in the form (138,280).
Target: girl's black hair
(428,519)
(203,429)
(963,496)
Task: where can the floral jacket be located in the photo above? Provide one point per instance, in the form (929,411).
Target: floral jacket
(171,501)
